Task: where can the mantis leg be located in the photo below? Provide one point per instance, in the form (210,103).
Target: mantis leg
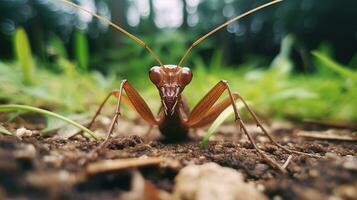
(215,111)
(99,110)
(134,100)
(261,127)
(203,107)
(205,104)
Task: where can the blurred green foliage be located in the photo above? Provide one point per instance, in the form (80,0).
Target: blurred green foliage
(81,50)
(24,55)
(71,69)
(49,88)
(276,91)
(261,33)
(336,67)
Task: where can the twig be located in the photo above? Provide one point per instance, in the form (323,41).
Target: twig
(287,162)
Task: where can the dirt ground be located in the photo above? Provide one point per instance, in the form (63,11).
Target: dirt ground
(52,167)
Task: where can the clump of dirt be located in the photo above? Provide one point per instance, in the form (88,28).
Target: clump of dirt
(50,167)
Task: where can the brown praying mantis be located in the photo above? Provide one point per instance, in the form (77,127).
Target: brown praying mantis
(175,118)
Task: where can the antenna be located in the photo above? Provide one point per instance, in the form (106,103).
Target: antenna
(199,40)
(118,28)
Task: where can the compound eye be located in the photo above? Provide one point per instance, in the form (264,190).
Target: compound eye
(185,76)
(155,75)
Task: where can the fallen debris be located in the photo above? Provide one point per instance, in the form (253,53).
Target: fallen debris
(213,182)
(121,164)
(332,124)
(331,134)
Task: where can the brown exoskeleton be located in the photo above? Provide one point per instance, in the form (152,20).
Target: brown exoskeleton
(174,118)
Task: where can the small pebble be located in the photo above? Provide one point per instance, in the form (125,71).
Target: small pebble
(261,167)
(263,139)
(213,182)
(277,197)
(313,173)
(286,139)
(332,155)
(350,162)
(201,158)
(23,132)
(218,147)
(228,145)
(346,191)
(261,187)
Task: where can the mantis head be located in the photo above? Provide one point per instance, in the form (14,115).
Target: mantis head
(170,80)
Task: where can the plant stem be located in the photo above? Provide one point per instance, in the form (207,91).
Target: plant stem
(11,107)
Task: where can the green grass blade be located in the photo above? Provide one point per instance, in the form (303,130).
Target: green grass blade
(57,46)
(344,71)
(24,55)
(81,50)
(3,130)
(15,107)
(221,118)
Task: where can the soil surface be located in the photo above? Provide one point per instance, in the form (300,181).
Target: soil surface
(38,166)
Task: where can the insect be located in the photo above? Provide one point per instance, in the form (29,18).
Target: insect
(175,118)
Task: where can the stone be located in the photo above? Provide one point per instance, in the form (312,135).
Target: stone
(213,182)
(23,132)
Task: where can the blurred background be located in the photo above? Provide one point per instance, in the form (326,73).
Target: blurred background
(296,60)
